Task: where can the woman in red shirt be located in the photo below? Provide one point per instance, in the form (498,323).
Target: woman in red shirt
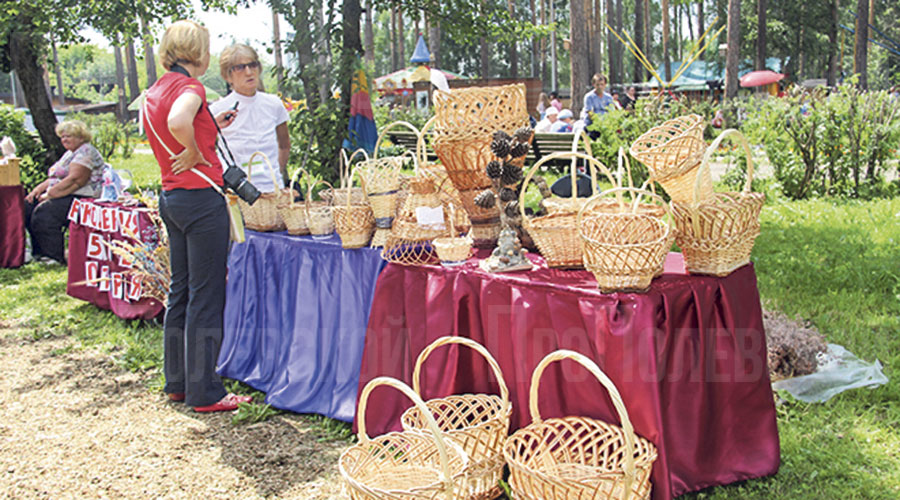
(183,137)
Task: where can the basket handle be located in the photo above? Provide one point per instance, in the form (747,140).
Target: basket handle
(419,140)
(630,438)
(591,161)
(504,391)
(429,420)
(739,137)
(634,205)
(345,163)
(295,177)
(310,190)
(268,164)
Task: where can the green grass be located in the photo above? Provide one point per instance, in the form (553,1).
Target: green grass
(144,168)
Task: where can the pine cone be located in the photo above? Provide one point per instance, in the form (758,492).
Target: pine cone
(501,136)
(485,199)
(519,150)
(511,174)
(512,209)
(500,148)
(494,169)
(507,194)
(524,134)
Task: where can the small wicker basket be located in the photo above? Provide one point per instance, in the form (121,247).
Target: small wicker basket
(410,243)
(578,458)
(672,152)
(453,250)
(353,223)
(320,219)
(339,196)
(479,423)
(294,214)
(409,465)
(9,172)
(263,215)
(627,248)
(717,234)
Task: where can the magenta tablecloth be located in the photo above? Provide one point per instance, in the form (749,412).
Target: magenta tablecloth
(12,226)
(689,358)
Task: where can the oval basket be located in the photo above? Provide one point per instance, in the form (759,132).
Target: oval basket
(319,218)
(578,458)
(717,234)
(672,151)
(409,465)
(263,214)
(353,223)
(292,213)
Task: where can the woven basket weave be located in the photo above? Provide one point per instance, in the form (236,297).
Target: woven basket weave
(717,234)
(353,223)
(409,465)
(578,458)
(453,250)
(294,214)
(465,121)
(339,196)
(672,151)
(627,248)
(9,172)
(263,215)
(319,218)
(411,243)
(479,423)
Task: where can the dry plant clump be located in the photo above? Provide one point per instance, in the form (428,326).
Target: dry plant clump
(792,347)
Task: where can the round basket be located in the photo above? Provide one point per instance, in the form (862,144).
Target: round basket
(577,457)
(672,151)
(716,234)
(292,213)
(409,465)
(556,234)
(353,223)
(410,243)
(263,215)
(319,219)
(479,423)
(453,250)
(625,249)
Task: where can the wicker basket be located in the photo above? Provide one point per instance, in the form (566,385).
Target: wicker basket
(465,121)
(409,465)
(453,250)
(263,215)
(624,249)
(411,243)
(716,234)
(339,196)
(672,151)
(578,458)
(9,172)
(353,223)
(479,423)
(556,234)
(319,219)
(449,195)
(292,213)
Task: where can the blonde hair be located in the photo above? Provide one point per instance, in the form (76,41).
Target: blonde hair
(74,128)
(231,54)
(184,41)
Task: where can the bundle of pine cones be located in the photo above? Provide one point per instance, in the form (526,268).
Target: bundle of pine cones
(505,171)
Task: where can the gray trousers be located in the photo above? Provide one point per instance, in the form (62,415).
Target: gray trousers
(197,224)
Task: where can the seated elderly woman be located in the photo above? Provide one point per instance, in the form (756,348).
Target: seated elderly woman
(78,174)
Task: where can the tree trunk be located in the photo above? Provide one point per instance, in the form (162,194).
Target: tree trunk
(833,27)
(860,59)
(370,34)
(351,51)
(122,104)
(579,59)
(638,38)
(690,24)
(647,33)
(676,22)
(60,92)
(322,50)
(667,71)
(733,54)
(131,63)
(434,39)
(401,39)
(513,46)
(303,47)
(149,59)
(535,67)
(761,6)
(701,21)
(554,73)
(610,40)
(276,46)
(596,30)
(543,42)
(485,58)
(618,47)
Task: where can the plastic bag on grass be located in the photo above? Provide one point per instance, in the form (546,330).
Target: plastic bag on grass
(838,370)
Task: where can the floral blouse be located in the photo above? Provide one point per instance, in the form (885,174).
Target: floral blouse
(86,155)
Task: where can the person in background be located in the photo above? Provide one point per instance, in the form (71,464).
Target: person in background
(564,122)
(259,123)
(182,133)
(554,101)
(597,101)
(542,105)
(549,118)
(78,174)
(628,99)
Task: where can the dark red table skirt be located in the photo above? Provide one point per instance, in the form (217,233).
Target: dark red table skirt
(689,358)
(12,226)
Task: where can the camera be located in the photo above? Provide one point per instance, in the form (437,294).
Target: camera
(236,180)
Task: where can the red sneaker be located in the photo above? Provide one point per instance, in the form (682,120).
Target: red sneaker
(228,403)
(176,396)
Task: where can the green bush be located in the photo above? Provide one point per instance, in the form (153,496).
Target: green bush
(316,140)
(384,116)
(32,169)
(109,134)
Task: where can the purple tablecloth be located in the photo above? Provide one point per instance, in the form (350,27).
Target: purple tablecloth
(295,320)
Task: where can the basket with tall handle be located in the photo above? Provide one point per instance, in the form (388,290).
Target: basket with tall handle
(578,458)
(672,151)
(294,214)
(717,233)
(453,250)
(320,218)
(479,423)
(353,223)
(263,214)
(337,196)
(408,465)
(624,248)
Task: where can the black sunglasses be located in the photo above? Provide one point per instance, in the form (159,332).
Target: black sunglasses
(242,67)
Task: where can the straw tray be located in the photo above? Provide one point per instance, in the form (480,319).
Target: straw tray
(9,172)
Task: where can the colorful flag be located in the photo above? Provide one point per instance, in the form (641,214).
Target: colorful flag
(362,132)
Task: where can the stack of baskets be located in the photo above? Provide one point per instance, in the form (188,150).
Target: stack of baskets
(465,121)
(478,423)
(353,223)
(9,172)
(624,247)
(716,232)
(672,151)
(410,242)
(578,457)
(263,215)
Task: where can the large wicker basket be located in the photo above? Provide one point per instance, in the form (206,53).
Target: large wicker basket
(672,151)
(263,215)
(465,121)
(409,465)
(717,234)
(626,248)
(479,423)
(556,234)
(353,223)
(578,458)
(9,172)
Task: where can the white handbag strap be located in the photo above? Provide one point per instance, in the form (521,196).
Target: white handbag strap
(171,153)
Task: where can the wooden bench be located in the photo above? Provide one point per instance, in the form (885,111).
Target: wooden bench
(541,145)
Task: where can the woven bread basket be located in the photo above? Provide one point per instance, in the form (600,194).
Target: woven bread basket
(478,423)
(408,465)
(9,172)
(263,214)
(716,234)
(320,218)
(672,151)
(578,458)
(624,249)
(353,223)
